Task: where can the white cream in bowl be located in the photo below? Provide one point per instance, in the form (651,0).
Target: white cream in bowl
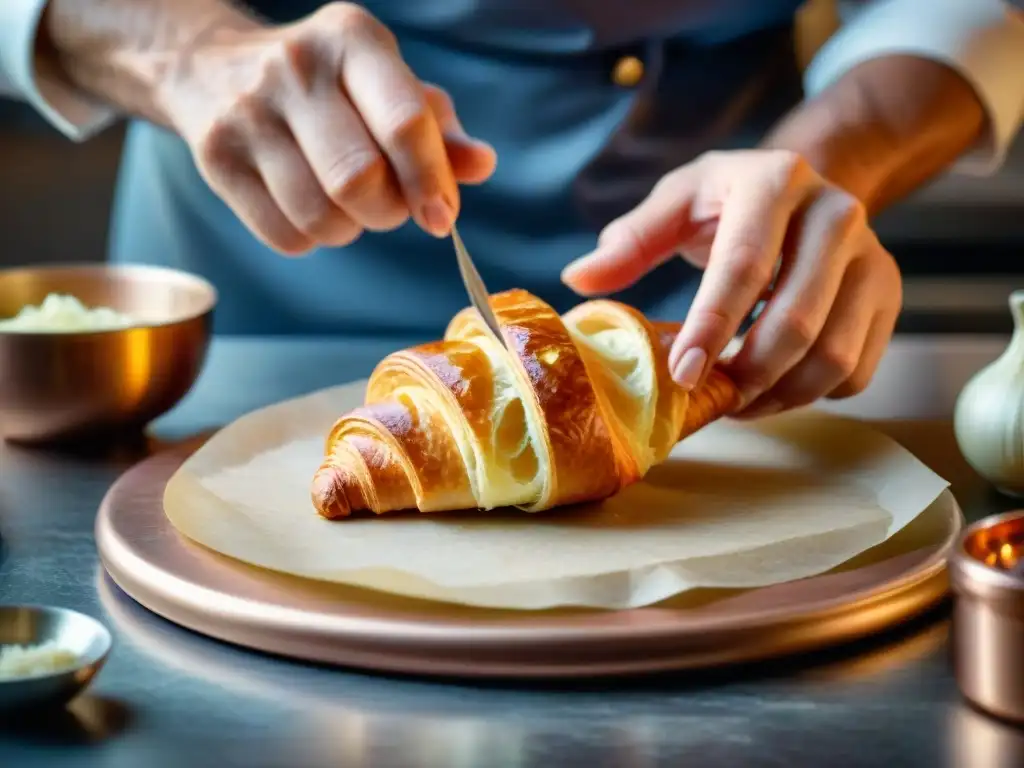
(31,660)
(61,313)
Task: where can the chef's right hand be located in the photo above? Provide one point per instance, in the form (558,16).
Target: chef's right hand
(318,130)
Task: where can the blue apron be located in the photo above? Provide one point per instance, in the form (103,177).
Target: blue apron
(533,78)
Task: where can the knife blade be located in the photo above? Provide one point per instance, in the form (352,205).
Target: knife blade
(478,295)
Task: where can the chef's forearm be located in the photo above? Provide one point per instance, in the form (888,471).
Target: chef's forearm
(125,51)
(886,127)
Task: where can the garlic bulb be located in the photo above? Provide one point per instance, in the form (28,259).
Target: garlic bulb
(989,416)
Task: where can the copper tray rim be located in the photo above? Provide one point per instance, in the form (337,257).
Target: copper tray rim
(186,602)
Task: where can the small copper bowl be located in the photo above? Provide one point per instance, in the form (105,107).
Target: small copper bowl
(987,576)
(60,386)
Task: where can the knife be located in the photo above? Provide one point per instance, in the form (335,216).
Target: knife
(478,295)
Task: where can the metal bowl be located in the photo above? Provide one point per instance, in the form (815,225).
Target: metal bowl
(56,386)
(77,633)
(987,576)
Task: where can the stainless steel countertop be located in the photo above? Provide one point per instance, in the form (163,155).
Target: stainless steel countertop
(170,697)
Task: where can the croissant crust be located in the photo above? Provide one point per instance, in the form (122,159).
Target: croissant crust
(584,407)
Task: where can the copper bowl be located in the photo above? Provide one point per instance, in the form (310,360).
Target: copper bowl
(59,386)
(987,576)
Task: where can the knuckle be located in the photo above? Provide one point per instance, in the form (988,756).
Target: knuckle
(439,98)
(249,109)
(406,123)
(877,268)
(674,182)
(314,216)
(355,176)
(294,59)
(747,269)
(799,329)
(846,212)
(710,157)
(788,163)
(352,21)
(838,359)
(787,170)
(891,283)
(890,271)
(215,149)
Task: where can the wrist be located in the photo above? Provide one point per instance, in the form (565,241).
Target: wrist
(885,128)
(836,135)
(131,55)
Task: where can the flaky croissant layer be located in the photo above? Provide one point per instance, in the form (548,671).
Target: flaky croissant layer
(584,407)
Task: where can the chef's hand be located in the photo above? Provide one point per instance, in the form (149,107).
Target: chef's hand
(316,131)
(741,215)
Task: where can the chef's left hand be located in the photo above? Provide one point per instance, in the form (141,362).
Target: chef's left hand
(740,215)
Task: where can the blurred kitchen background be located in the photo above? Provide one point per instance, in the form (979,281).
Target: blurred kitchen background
(960,241)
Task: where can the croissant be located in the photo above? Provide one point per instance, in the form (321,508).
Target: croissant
(585,407)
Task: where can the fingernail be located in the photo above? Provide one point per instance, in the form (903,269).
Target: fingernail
(572,270)
(574,274)
(688,370)
(438,216)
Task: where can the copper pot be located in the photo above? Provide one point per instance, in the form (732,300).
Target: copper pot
(987,577)
(55,386)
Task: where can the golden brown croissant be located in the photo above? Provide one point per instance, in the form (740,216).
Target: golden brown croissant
(586,407)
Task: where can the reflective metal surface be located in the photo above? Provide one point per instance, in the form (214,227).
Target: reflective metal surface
(168,697)
(55,386)
(70,631)
(988,623)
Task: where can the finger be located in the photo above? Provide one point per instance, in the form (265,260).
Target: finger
(344,157)
(243,190)
(393,105)
(879,335)
(837,352)
(808,286)
(741,265)
(636,243)
(473,161)
(293,186)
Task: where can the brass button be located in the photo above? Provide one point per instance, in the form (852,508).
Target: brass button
(628,72)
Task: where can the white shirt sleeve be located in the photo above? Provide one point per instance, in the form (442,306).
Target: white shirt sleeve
(983,40)
(37,80)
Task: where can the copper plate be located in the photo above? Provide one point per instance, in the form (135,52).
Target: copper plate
(235,602)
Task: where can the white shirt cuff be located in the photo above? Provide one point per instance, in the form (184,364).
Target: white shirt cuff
(38,80)
(983,40)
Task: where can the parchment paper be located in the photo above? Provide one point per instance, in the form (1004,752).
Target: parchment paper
(737,505)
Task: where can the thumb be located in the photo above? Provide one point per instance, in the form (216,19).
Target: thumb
(636,243)
(473,161)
